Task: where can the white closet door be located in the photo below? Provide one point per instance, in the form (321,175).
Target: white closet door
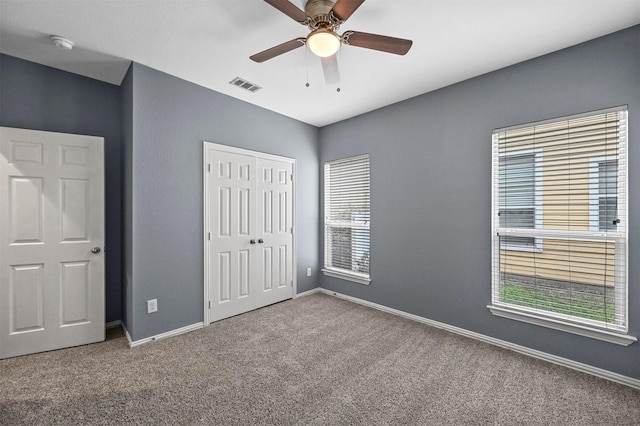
(249,254)
(51,241)
(275,233)
(232,227)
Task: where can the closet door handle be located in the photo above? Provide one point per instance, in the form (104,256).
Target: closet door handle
(260,241)
(252,241)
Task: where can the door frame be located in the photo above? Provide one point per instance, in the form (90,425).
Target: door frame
(206,146)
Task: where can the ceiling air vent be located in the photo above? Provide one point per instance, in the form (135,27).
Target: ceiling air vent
(244,84)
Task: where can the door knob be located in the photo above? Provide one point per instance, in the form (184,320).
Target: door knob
(252,241)
(260,241)
(95,250)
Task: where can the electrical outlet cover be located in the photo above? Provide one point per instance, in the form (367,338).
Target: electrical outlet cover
(152,306)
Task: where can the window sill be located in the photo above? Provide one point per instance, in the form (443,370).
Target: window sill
(349,276)
(582,330)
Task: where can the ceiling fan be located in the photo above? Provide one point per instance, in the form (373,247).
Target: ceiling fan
(324,17)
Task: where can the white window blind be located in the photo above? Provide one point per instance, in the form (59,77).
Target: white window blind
(561,186)
(347,218)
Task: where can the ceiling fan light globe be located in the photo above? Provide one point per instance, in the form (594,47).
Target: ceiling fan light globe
(323,43)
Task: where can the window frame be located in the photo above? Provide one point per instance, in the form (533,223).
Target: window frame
(617,334)
(328,225)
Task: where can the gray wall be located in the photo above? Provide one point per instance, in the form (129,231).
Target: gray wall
(431,193)
(37,97)
(171,118)
(127,197)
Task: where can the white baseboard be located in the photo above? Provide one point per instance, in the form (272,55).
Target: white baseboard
(113,324)
(176,332)
(308,292)
(578,366)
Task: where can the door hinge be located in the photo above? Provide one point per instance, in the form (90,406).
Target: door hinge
(209,167)
(209,304)
(292,178)
(209,236)
(292,229)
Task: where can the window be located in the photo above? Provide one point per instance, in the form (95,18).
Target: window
(347,219)
(559,224)
(519,203)
(603,184)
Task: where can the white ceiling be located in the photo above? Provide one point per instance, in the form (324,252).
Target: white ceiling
(209,43)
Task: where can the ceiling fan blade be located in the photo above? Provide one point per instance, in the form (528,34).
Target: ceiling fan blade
(289,9)
(345,8)
(399,46)
(330,69)
(278,50)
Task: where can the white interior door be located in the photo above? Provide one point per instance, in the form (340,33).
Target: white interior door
(51,241)
(274,230)
(232,229)
(249,224)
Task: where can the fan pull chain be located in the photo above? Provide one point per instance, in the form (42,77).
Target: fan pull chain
(307,56)
(338,89)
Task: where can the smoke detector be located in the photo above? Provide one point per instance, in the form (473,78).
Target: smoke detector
(61,42)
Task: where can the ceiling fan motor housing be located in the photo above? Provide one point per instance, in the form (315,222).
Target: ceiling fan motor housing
(319,14)
(318,7)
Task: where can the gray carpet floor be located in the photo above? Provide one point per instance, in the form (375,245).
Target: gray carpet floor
(316,360)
